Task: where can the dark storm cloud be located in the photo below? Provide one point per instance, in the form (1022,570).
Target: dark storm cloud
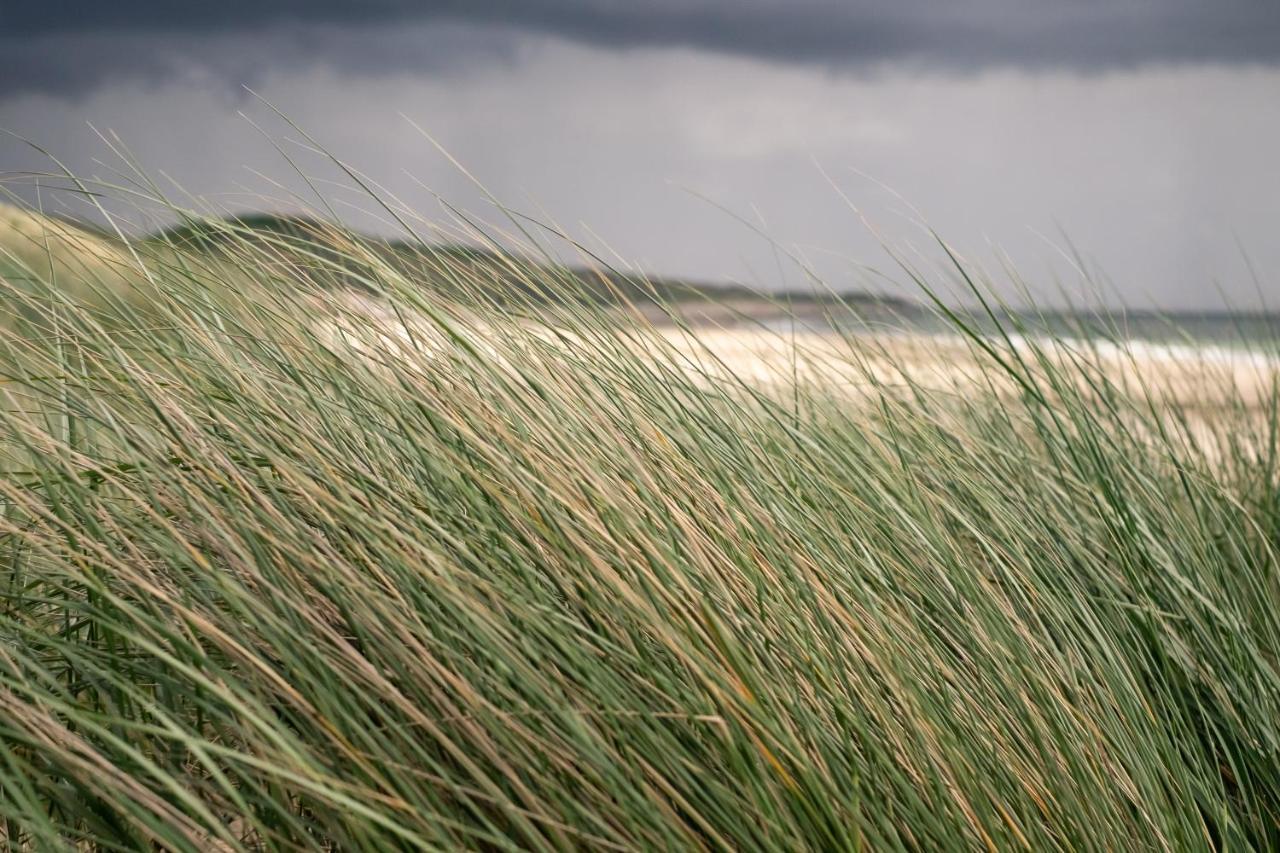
(83,59)
(74,44)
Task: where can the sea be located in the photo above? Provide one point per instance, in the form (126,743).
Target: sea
(1221,336)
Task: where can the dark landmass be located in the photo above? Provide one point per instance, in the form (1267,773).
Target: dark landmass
(324,254)
(314,253)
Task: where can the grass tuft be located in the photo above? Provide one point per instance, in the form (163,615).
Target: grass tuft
(392,565)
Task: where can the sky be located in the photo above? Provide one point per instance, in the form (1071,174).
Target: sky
(759,141)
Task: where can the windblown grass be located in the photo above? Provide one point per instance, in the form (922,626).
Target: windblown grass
(279,573)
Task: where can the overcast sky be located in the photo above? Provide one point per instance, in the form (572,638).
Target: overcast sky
(1144,131)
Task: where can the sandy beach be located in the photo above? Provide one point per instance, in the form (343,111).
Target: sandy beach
(1203,379)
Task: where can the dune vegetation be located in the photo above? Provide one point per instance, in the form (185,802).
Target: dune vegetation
(385,566)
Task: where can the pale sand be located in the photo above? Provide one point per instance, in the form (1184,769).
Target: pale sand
(1193,378)
(1185,375)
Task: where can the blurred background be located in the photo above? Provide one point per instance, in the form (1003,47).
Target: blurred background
(1141,134)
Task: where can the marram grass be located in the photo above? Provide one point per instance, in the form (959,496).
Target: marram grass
(445,579)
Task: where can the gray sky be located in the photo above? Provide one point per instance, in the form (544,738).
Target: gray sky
(1144,130)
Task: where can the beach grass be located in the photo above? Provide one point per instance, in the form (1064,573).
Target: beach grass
(279,571)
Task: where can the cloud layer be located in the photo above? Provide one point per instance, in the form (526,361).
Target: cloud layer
(1142,129)
(1154,174)
(75,45)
